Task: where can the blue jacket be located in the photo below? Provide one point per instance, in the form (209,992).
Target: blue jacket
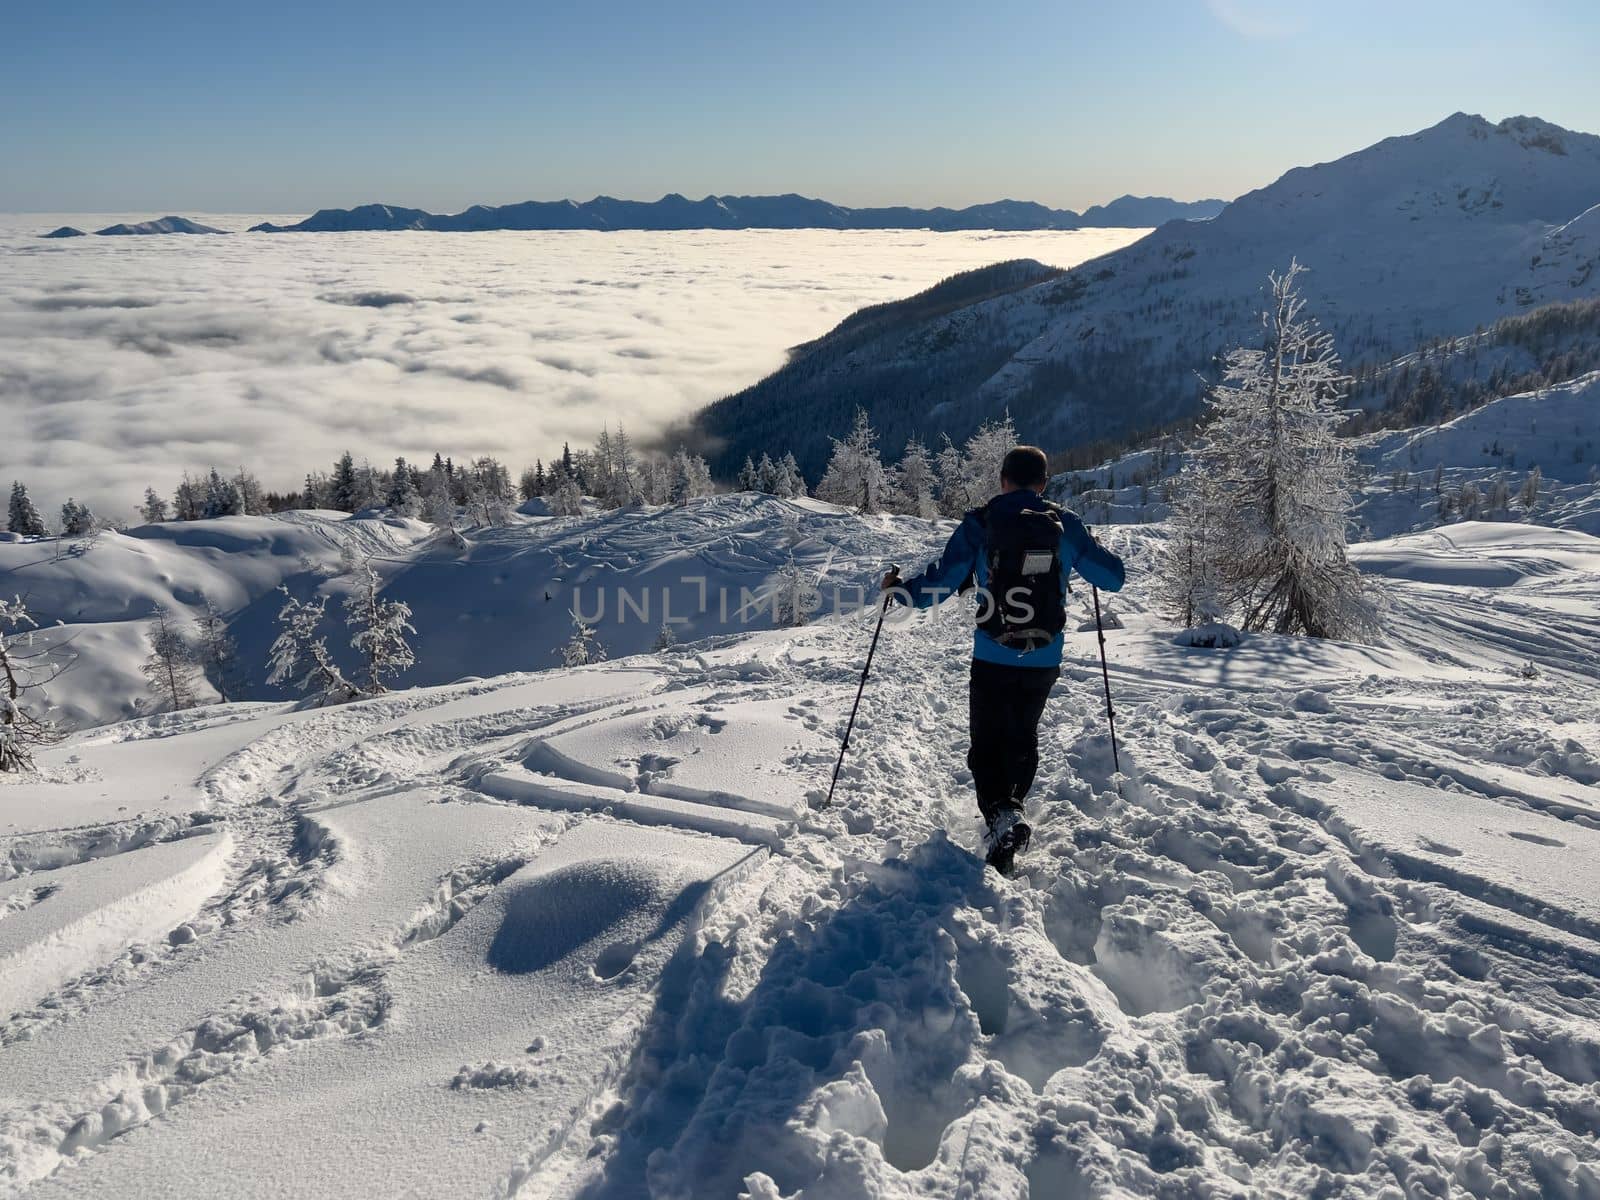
(964,555)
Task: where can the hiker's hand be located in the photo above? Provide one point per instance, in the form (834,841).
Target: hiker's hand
(891,580)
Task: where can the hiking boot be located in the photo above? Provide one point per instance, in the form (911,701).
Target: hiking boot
(1007,837)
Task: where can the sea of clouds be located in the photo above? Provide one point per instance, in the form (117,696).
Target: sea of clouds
(125,361)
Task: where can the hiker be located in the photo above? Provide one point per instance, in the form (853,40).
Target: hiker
(1018,550)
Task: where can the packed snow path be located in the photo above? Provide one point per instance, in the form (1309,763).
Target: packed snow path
(586,934)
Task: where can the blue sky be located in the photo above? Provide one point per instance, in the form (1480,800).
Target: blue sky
(289,106)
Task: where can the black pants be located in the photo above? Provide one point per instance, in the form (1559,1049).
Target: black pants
(1006,703)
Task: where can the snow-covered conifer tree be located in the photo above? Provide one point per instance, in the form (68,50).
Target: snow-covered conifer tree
(666,639)
(380,630)
(154,508)
(170,669)
(530,484)
(222,498)
(691,477)
(343,490)
(403,499)
(22,517)
(76,519)
(583,647)
(788,482)
(855,477)
(300,658)
(1272,514)
(912,483)
(748,479)
(217,653)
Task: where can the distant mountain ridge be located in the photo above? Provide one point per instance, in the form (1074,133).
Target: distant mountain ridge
(158,226)
(675,212)
(1417,237)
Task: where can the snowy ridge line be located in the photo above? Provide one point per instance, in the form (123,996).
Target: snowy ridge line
(536,1171)
(524,787)
(330,999)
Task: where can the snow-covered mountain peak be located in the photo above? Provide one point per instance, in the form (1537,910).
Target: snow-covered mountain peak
(1463,168)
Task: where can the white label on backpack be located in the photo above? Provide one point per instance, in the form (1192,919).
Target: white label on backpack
(1037,562)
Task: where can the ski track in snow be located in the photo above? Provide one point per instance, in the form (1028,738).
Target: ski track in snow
(1334,931)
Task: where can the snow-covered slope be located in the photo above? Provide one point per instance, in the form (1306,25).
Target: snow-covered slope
(1413,238)
(1411,477)
(496,600)
(588,933)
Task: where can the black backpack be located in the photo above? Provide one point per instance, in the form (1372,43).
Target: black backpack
(1025,608)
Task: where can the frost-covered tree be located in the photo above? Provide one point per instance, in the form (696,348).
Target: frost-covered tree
(749,479)
(666,639)
(1187,586)
(154,509)
(762,476)
(24,668)
(222,497)
(217,653)
(566,500)
(343,489)
(299,656)
(795,595)
(380,630)
(949,469)
(1499,494)
(855,476)
(252,500)
(691,477)
(22,517)
(403,498)
(1277,496)
(188,500)
(912,483)
(170,670)
(623,470)
(1530,489)
(985,451)
(532,482)
(788,482)
(438,499)
(487,492)
(76,519)
(583,647)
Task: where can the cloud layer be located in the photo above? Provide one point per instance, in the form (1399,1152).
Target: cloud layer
(125,361)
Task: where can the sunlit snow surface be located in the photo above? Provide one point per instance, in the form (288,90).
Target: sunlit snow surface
(587,934)
(126,360)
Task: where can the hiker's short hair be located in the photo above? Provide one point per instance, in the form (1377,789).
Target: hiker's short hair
(1025,467)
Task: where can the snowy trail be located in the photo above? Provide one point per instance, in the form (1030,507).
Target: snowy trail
(1335,931)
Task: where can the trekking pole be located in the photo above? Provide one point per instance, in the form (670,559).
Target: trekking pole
(1105,674)
(860,687)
